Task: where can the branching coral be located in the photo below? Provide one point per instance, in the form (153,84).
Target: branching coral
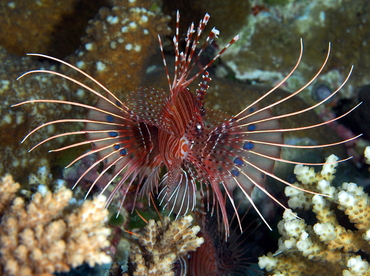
(40,237)
(326,248)
(163,243)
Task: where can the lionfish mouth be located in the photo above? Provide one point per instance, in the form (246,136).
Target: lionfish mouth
(201,150)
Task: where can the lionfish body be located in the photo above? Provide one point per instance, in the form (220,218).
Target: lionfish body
(196,146)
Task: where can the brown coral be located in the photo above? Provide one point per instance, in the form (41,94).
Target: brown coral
(119,43)
(163,243)
(8,189)
(116,50)
(36,21)
(38,238)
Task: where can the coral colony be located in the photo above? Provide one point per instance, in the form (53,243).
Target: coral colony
(308,249)
(200,149)
(43,236)
(178,235)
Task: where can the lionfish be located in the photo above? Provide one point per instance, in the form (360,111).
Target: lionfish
(200,149)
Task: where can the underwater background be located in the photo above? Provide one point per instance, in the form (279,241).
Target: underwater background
(123,59)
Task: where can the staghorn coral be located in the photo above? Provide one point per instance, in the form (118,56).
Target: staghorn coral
(39,238)
(327,247)
(164,243)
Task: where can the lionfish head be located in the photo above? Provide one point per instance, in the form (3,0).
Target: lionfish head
(199,149)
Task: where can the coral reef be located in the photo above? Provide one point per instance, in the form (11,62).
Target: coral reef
(227,16)
(263,57)
(119,43)
(109,54)
(42,236)
(116,50)
(14,27)
(329,247)
(163,243)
